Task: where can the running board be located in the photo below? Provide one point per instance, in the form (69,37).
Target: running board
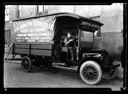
(64,67)
(59,64)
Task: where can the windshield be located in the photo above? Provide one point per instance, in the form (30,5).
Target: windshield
(86,36)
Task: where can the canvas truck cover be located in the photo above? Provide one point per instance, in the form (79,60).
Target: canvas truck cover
(41,29)
(34,30)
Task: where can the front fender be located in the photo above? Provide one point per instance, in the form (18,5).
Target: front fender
(86,59)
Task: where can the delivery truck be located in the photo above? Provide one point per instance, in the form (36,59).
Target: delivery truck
(40,41)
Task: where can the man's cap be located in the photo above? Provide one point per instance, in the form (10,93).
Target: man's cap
(68,32)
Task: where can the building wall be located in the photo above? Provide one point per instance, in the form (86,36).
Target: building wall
(110,15)
(28,11)
(112,38)
(13,12)
(53,9)
(8,24)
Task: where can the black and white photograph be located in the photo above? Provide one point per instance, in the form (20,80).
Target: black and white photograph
(64,46)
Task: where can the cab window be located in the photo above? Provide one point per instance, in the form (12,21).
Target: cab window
(86,36)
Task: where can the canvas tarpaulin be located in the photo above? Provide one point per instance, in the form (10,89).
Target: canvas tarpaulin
(38,30)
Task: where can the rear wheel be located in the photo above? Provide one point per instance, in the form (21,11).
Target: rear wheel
(90,72)
(26,64)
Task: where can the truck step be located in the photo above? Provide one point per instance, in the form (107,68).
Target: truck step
(63,66)
(59,64)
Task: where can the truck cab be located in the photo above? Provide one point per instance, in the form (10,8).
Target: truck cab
(82,30)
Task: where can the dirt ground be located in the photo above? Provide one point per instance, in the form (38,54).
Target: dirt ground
(56,77)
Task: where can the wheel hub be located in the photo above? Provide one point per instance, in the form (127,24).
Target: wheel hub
(90,73)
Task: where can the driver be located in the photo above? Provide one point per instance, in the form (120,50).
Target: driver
(69,42)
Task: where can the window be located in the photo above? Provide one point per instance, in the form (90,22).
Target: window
(6,13)
(86,36)
(42,9)
(7,36)
(19,11)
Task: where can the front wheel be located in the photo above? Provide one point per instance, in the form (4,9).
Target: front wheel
(109,74)
(90,72)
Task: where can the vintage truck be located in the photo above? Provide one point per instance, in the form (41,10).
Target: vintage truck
(40,41)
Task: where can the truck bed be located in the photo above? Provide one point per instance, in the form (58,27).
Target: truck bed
(33,49)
